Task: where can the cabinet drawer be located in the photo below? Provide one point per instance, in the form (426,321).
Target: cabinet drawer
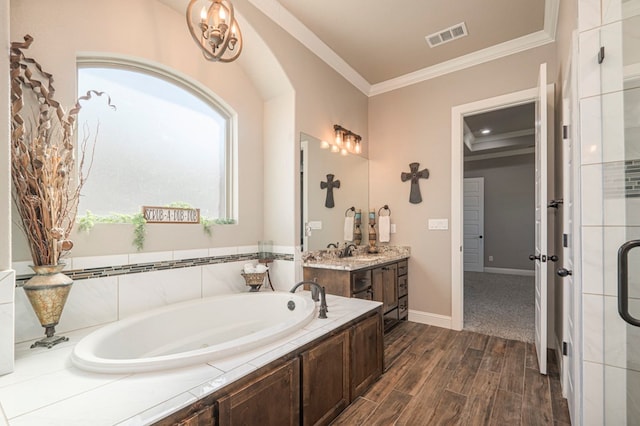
(403,307)
(403,286)
(360,281)
(403,267)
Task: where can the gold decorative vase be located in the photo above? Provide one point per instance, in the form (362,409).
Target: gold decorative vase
(47,291)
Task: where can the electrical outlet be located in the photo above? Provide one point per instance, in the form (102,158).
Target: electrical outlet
(490,258)
(393,228)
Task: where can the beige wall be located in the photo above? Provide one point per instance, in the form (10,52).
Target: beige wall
(322,98)
(150,31)
(271,114)
(413,124)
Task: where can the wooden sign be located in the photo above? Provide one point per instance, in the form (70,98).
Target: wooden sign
(170,214)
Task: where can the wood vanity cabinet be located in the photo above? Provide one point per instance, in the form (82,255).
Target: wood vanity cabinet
(387,283)
(309,386)
(385,286)
(367,355)
(325,380)
(272,399)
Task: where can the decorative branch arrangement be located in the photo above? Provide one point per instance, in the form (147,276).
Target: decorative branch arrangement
(43,168)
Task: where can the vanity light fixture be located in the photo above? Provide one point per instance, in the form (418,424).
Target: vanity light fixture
(215,29)
(346,141)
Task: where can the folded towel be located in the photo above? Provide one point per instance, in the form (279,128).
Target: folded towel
(384,228)
(348,228)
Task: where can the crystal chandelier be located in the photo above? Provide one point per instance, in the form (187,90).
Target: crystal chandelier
(215,29)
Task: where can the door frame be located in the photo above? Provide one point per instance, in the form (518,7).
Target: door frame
(570,103)
(457,179)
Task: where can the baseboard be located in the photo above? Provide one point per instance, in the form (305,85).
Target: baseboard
(430,319)
(507,271)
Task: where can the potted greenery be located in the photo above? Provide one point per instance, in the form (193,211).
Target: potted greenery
(47,181)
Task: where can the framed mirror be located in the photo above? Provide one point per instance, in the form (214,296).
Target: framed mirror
(322,225)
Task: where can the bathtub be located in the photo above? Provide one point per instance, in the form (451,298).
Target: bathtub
(192,332)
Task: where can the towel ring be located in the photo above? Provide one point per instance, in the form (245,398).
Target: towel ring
(350,209)
(385,207)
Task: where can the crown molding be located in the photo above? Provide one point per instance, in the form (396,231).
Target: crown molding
(498,51)
(281,16)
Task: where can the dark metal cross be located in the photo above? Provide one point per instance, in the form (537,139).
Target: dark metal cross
(415,197)
(329,185)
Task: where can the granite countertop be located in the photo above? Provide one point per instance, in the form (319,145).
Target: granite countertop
(46,389)
(361,259)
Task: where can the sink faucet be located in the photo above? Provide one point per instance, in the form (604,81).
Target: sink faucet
(347,251)
(323,296)
(334,245)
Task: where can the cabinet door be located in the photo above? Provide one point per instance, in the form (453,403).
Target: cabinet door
(366,354)
(270,400)
(390,287)
(377,285)
(325,380)
(203,417)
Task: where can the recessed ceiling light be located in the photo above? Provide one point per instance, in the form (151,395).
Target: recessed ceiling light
(485,131)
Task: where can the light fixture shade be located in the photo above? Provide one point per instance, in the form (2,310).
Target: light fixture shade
(213,26)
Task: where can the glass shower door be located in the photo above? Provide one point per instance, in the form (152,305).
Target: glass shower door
(620,84)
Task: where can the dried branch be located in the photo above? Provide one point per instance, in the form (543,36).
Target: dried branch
(46,188)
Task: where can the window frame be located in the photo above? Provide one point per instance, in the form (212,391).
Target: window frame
(192,86)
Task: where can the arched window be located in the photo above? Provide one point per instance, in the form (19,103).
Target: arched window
(167,142)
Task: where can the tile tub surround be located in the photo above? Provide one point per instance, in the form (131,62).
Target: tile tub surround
(108,288)
(329,259)
(46,389)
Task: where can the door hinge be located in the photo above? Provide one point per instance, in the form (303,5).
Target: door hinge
(565,240)
(601,55)
(565,350)
(565,132)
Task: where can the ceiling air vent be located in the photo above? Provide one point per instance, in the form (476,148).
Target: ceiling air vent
(446,35)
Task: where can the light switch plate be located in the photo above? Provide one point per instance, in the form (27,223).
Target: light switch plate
(439,224)
(393,228)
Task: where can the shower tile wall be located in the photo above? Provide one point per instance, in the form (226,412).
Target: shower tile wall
(610,194)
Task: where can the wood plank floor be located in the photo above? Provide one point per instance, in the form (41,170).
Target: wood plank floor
(436,376)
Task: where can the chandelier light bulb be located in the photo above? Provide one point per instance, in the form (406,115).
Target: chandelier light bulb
(358,149)
(334,148)
(344,151)
(349,144)
(324,145)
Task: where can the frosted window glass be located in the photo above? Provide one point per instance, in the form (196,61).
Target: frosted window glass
(163,144)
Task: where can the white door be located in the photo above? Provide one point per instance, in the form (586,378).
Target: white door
(473,223)
(541,221)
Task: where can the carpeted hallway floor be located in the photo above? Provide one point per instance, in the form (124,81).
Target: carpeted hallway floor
(500,305)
